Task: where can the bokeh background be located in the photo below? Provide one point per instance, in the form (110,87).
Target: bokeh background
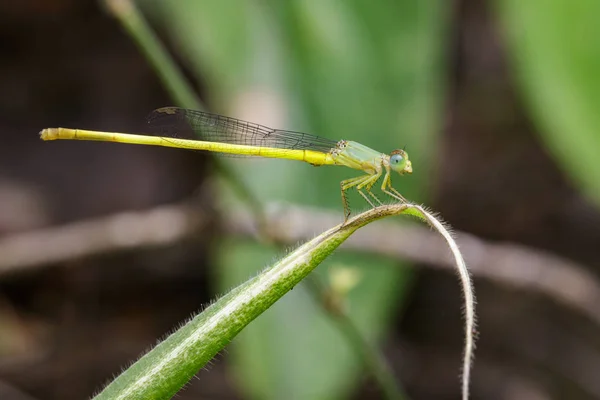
(496,102)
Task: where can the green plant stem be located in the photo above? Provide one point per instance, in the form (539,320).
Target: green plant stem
(177,86)
(126,12)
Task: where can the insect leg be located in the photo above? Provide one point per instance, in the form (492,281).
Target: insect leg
(367,185)
(347,184)
(387,188)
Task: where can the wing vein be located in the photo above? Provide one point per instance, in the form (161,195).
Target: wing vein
(185,123)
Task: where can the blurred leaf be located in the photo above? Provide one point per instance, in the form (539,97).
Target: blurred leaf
(212,36)
(555,50)
(368,72)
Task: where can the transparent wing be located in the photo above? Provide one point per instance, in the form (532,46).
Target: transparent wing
(185,123)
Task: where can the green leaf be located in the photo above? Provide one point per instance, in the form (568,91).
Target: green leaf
(170,365)
(554,47)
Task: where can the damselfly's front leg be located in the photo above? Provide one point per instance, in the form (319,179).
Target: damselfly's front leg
(347,184)
(387,188)
(365,181)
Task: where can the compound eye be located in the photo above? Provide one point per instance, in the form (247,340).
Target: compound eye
(396,159)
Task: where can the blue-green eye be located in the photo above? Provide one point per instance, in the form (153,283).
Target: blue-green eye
(399,162)
(396,159)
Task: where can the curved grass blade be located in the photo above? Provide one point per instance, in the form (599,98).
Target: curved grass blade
(169,366)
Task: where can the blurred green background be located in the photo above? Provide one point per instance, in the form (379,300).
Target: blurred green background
(495,102)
